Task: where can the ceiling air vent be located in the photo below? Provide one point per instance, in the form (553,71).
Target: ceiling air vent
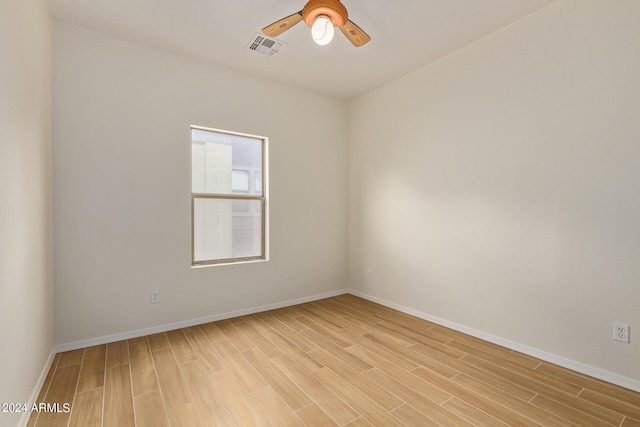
(265,45)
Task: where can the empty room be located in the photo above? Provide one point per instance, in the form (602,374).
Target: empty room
(342,213)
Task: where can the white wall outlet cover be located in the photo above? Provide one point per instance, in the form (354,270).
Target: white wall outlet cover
(621,332)
(155,297)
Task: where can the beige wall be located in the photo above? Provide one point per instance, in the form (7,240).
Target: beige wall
(498,188)
(26,282)
(122,116)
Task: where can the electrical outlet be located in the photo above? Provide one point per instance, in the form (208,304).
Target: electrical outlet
(621,332)
(369,274)
(155,297)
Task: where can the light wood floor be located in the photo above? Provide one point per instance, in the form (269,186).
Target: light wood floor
(340,361)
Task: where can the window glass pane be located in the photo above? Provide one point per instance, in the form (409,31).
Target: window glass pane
(241,206)
(221,234)
(215,155)
(240,181)
(247,231)
(257,177)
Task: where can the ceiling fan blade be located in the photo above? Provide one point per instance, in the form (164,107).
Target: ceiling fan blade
(355,33)
(282,25)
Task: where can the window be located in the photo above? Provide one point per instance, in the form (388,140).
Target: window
(228,197)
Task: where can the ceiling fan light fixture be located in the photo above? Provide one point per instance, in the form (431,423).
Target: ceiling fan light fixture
(322,30)
(322,16)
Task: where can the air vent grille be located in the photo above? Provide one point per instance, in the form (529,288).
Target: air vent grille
(265,45)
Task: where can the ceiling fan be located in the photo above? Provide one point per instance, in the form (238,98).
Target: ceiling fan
(321,16)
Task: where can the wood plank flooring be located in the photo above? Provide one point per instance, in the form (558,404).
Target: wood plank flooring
(342,361)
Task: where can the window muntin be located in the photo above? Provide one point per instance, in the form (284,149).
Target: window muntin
(229,204)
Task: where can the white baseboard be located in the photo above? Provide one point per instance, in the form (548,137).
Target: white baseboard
(193,322)
(548,357)
(24,420)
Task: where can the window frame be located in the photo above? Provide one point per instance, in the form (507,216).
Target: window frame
(262,198)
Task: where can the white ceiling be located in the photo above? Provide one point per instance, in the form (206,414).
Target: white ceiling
(406,34)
